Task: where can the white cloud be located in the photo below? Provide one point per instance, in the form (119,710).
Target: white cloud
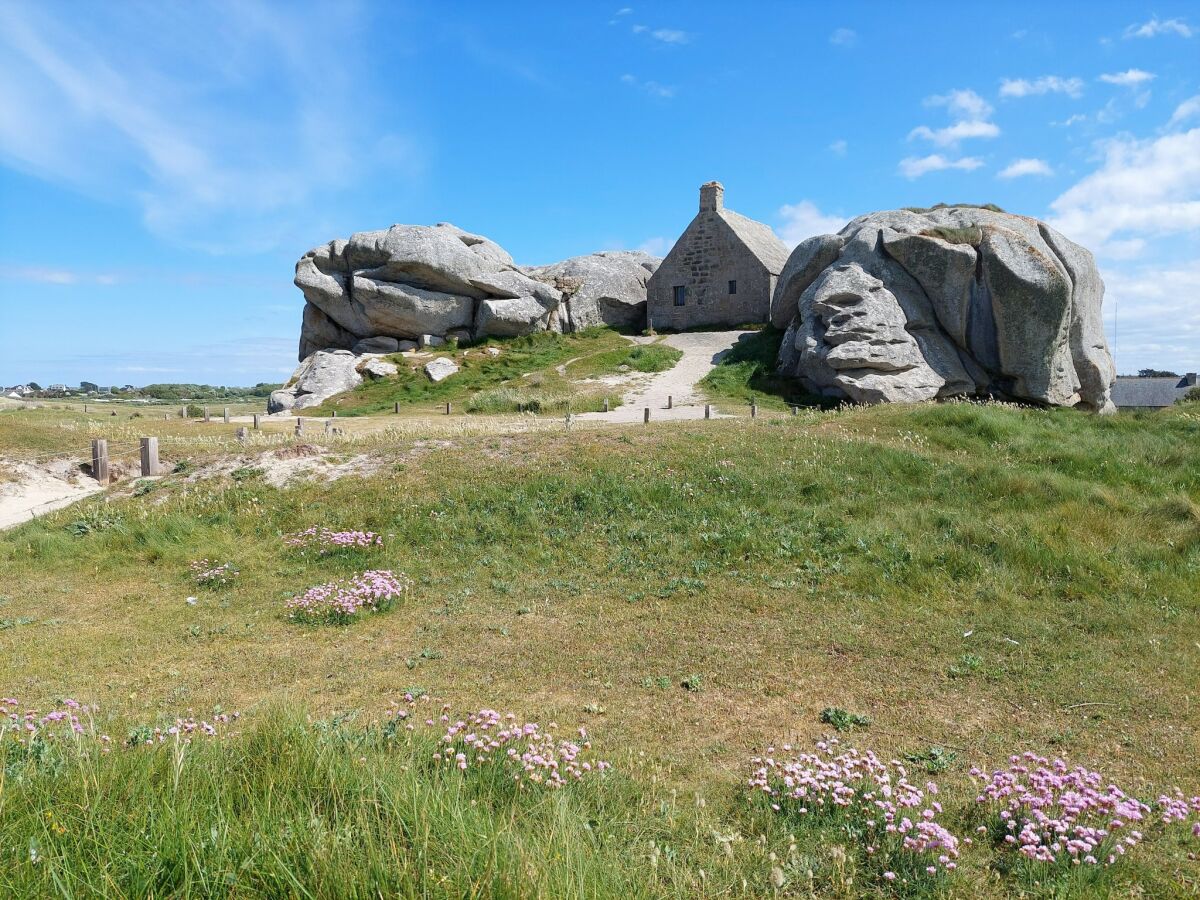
(844,37)
(952,134)
(670,36)
(962,104)
(41,275)
(1151,315)
(653,88)
(1022,167)
(655,246)
(624,11)
(638,29)
(1186,110)
(803,220)
(838,147)
(967,109)
(161,100)
(915,167)
(1128,78)
(1047,84)
(1158,26)
(1143,188)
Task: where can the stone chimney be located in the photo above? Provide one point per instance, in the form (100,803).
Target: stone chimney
(712,196)
(1190,379)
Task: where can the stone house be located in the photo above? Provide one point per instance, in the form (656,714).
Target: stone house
(721,271)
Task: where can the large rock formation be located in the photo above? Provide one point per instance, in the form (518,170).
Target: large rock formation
(955,301)
(319,377)
(413,282)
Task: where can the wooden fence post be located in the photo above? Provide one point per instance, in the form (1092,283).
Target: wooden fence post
(256,422)
(299,426)
(183,412)
(606,404)
(397,409)
(100,460)
(225,414)
(206,418)
(795,410)
(707,411)
(753,410)
(242,434)
(149,456)
(447,409)
(646,415)
(670,402)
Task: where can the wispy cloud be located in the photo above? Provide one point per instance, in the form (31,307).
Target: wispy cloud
(968,110)
(915,167)
(39,275)
(1128,78)
(1188,109)
(1143,188)
(670,35)
(802,220)
(952,134)
(1047,84)
(1157,26)
(838,147)
(844,37)
(153,94)
(655,246)
(1020,168)
(653,88)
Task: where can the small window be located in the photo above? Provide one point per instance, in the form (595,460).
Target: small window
(733,287)
(680,295)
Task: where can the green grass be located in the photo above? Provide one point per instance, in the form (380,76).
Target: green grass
(636,358)
(981,579)
(747,373)
(503,378)
(972,234)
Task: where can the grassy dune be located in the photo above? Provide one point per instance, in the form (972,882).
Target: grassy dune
(976,579)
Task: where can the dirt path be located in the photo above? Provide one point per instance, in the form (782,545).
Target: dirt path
(39,489)
(701,352)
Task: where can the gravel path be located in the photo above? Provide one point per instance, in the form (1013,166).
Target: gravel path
(701,351)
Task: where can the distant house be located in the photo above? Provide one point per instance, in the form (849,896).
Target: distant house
(721,271)
(1131,392)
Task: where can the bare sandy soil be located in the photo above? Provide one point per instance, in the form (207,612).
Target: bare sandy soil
(31,489)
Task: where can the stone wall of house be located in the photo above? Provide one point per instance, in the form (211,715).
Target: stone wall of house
(704,260)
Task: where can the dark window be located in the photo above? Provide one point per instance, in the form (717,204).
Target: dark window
(680,295)
(733,287)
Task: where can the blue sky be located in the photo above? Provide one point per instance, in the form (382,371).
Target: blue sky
(162,165)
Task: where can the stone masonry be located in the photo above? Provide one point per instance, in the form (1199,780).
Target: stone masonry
(726,265)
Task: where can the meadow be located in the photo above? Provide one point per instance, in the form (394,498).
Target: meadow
(945,585)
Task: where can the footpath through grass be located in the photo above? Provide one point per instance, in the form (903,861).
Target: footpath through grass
(953,583)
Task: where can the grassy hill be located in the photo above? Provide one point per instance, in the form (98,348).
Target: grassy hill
(963,581)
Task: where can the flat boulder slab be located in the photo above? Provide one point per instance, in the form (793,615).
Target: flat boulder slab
(376,345)
(440,369)
(909,305)
(378,368)
(324,374)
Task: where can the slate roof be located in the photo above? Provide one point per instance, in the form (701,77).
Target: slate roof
(759,240)
(1151,392)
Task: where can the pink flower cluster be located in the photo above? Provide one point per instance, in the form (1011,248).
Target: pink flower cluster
(209,574)
(30,722)
(488,738)
(185,729)
(893,814)
(1174,808)
(1052,813)
(325,540)
(340,601)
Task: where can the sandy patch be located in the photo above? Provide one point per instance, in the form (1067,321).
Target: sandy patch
(36,489)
